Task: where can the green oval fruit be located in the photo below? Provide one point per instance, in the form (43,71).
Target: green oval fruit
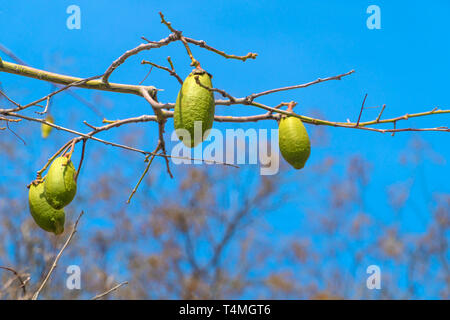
(194,103)
(45,216)
(45,128)
(294,141)
(60,185)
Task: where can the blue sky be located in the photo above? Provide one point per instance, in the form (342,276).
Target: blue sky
(404,65)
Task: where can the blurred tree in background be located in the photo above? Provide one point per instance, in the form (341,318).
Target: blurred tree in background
(207,236)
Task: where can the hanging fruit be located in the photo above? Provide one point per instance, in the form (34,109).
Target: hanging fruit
(45,216)
(60,184)
(45,128)
(293,140)
(194,104)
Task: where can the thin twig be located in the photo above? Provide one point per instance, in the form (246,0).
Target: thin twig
(164,151)
(171,63)
(22,282)
(171,72)
(83,149)
(143,173)
(10,120)
(146,76)
(50,160)
(149,41)
(9,99)
(69,151)
(46,107)
(144,46)
(282,104)
(202,44)
(361,111)
(180,37)
(161,118)
(12,131)
(90,125)
(381,112)
(99,296)
(338,77)
(222,92)
(394,130)
(58,256)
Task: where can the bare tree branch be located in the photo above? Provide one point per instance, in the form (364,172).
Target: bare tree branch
(22,70)
(180,37)
(161,118)
(170,71)
(129,53)
(202,44)
(338,77)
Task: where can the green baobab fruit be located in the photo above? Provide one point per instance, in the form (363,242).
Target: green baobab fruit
(294,141)
(45,128)
(60,185)
(45,216)
(194,104)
